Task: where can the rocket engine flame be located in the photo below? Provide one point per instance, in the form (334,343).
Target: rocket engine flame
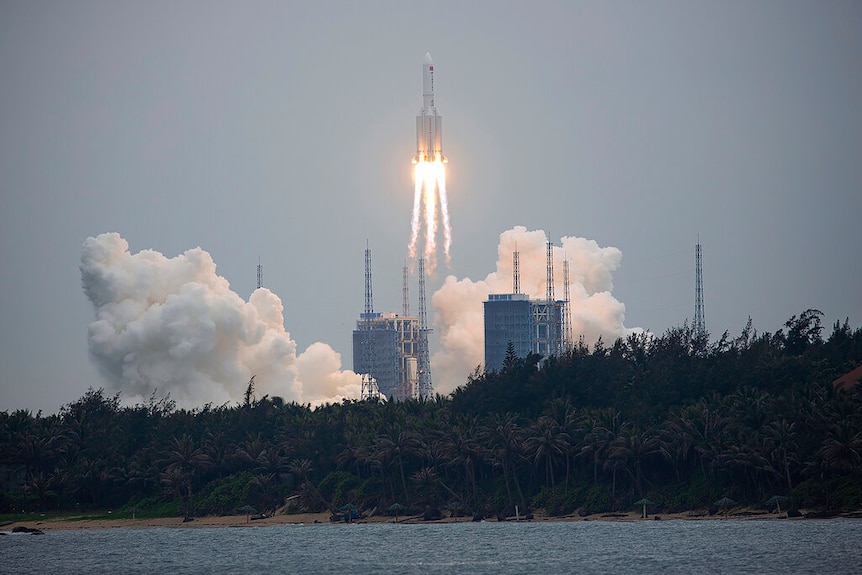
(430,181)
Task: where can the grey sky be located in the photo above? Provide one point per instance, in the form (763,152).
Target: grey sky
(284,131)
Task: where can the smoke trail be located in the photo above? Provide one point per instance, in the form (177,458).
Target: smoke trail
(459,311)
(444,209)
(175,325)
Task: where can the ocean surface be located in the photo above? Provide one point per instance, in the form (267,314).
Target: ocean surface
(733,546)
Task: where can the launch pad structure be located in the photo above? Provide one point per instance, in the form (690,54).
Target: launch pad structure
(390,351)
(528,326)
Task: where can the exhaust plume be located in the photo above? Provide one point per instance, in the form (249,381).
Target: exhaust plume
(175,325)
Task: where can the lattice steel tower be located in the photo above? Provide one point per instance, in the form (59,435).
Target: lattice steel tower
(567,310)
(259,274)
(699,318)
(516,271)
(405,292)
(425,387)
(369,385)
(549,290)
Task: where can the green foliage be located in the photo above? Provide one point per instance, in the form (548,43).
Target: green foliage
(698,493)
(150,508)
(833,494)
(678,419)
(224,496)
(595,499)
(339,488)
(557,500)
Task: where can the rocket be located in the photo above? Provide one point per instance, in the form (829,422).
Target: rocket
(429,124)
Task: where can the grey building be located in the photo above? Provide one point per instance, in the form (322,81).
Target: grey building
(386,346)
(530,326)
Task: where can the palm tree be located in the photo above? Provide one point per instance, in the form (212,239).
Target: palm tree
(503,436)
(842,448)
(545,442)
(221,450)
(462,449)
(634,449)
(92,475)
(271,461)
(782,439)
(309,494)
(250,449)
(183,457)
(393,445)
(351,455)
(174,479)
(566,417)
(42,485)
(604,425)
(36,449)
(426,482)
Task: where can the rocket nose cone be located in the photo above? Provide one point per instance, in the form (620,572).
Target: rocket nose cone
(428,61)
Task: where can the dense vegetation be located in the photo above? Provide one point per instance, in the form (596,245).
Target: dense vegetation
(674,418)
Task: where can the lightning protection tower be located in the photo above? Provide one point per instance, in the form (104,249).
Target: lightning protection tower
(405,292)
(699,318)
(369,385)
(549,290)
(516,271)
(567,309)
(259,274)
(425,386)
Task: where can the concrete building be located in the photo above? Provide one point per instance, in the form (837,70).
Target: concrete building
(531,326)
(387,346)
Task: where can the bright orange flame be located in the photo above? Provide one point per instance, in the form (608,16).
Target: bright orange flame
(429,180)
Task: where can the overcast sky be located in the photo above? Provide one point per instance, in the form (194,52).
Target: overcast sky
(283,131)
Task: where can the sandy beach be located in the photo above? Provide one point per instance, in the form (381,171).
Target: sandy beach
(242,521)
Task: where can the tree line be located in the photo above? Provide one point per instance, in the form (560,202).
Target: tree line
(675,418)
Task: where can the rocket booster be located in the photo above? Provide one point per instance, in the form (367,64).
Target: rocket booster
(429,124)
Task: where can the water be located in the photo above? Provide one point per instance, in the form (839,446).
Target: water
(750,546)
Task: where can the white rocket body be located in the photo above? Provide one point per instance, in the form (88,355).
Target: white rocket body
(429,124)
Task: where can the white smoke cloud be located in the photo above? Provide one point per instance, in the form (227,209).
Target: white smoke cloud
(174,325)
(459,310)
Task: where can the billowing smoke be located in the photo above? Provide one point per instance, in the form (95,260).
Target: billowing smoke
(174,325)
(459,311)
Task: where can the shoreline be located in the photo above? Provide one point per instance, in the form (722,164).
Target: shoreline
(242,521)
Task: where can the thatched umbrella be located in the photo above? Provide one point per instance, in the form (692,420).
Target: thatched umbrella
(644,502)
(395,508)
(248,510)
(776,500)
